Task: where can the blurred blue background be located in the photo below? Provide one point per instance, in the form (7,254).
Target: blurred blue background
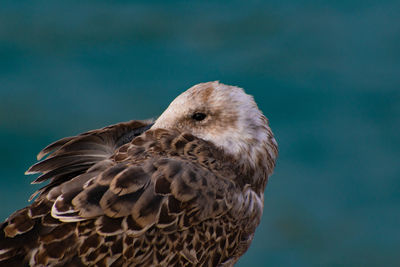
(326,73)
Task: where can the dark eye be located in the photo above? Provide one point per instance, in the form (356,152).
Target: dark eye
(199,116)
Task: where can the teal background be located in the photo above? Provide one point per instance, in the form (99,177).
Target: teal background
(326,74)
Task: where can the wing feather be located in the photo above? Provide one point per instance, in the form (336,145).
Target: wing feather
(72,156)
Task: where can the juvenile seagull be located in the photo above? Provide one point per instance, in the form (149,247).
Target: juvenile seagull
(186,190)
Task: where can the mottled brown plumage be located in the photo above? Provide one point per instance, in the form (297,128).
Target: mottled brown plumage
(138,194)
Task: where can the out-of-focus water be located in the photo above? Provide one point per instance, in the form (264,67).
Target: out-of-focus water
(326,73)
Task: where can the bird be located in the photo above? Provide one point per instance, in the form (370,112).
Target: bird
(185,189)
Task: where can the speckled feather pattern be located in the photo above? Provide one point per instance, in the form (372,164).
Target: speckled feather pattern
(135,195)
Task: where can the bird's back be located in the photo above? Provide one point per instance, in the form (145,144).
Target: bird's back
(116,198)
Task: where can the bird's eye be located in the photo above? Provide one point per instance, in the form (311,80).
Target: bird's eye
(198,116)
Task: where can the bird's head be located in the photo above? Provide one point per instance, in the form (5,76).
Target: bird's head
(224,115)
